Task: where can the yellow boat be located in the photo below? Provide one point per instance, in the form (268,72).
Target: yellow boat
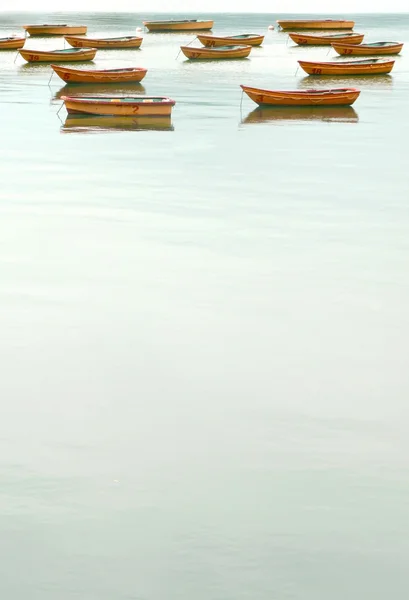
(117,42)
(184,25)
(55,29)
(246,39)
(66,55)
(216,53)
(100,76)
(12,43)
(315,24)
(374,49)
(374,66)
(314,39)
(271,114)
(322,97)
(94,124)
(122,106)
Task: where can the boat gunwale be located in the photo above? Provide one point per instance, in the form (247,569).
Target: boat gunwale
(105,102)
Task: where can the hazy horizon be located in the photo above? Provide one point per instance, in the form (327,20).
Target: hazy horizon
(178,6)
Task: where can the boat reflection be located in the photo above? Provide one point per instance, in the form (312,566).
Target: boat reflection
(99,88)
(356,81)
(99,124)
(337,114)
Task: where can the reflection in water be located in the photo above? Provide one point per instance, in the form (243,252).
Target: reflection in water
(340,114)
(358,81)
(98,124)
(99,88)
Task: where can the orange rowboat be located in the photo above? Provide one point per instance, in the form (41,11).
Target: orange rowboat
(216,53)
(247,39)
(377,48)
(12,43)
(69,55)
(56,29)
(314,39)
(121,106)
(323,97)
(316,24)
(103,76)
(184,25)
(374,66)
(118,42)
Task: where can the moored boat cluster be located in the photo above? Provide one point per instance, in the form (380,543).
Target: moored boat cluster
(302,32)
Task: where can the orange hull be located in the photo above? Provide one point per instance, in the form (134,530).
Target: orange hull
(359,67)
(121,106)
(380,48)
(304,39)
(58,29)
(185,25)
(104,76)
(12,43)
(213,41)
(323,97)
(316,24)
(58,55)
(222,52)
(123,42)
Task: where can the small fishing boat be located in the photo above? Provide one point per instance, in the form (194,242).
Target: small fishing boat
(374,66)
(322,97)
(216,53)
(122,106)
(116,42)
(246,39)
(66,55)
(315,24)
(55,29)
(314,39)
(184,25)
(274,114)
(373,49)
(100,76)
(95,124)
(12,43)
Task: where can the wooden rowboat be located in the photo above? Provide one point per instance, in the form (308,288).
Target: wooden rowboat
(121,106)
(216,53)
(117,42)
(322,97)
(184,25)
(55,29)
(374,49)
(374,66)
(100,76)
(315,24)
(314,39)
(95,124)
(12,43)
(67,55)
(247,39)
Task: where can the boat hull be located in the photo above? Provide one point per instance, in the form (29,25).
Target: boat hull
(55,29)
(114,107)
(12,43)
(153,26)
(51,57)
(333,97)
(212,41)
(366,49)
(82,42)
(324,40)
(315,24)
(215,53)
(347,68)
(104,76)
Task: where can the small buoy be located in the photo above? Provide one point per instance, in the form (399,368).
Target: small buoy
(271,27)
(139,29)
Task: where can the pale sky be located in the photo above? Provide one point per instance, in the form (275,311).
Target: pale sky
(188,6)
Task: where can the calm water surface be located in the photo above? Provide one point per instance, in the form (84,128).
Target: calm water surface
(204,332)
